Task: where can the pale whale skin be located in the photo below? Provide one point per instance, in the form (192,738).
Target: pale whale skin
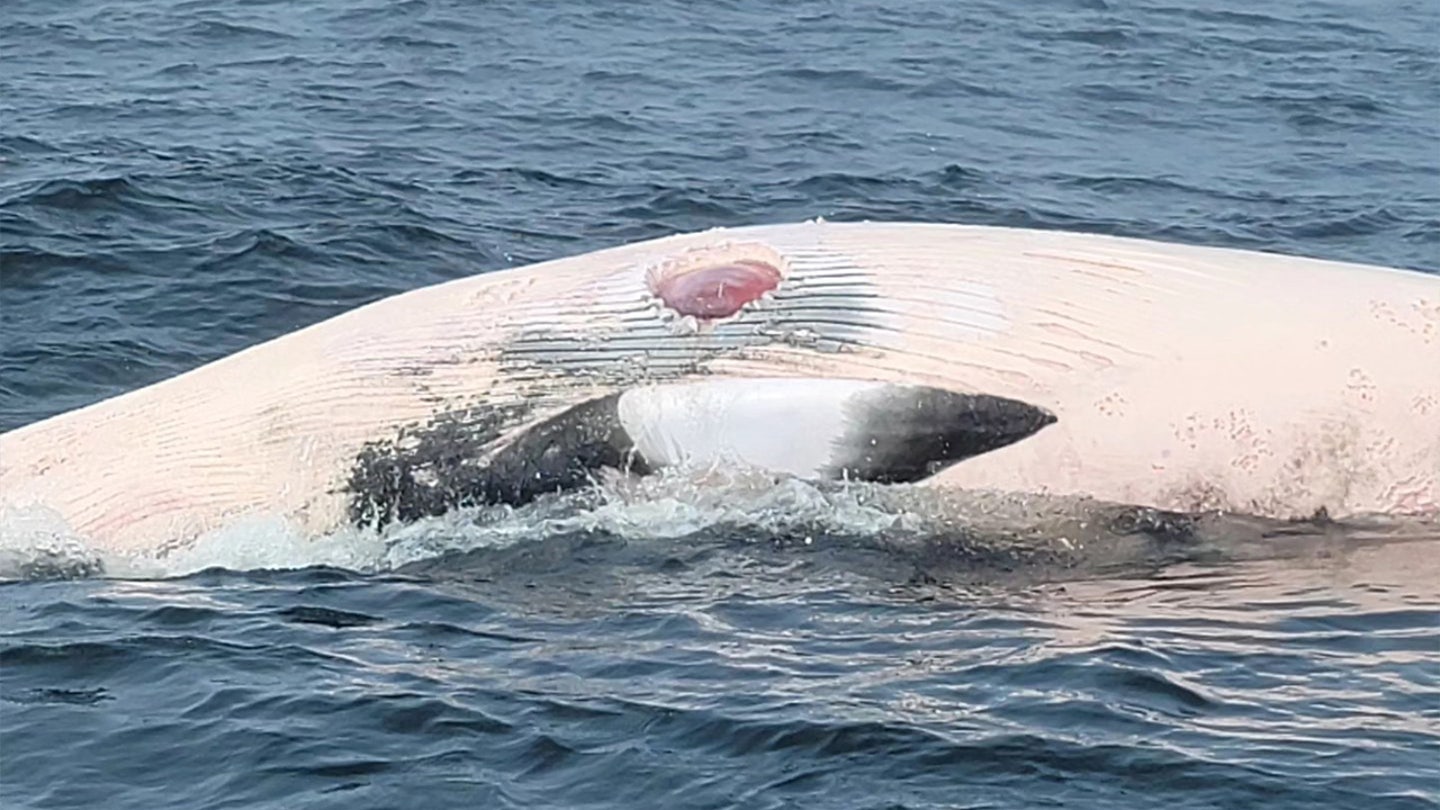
(1179,377)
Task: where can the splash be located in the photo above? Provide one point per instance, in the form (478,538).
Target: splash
(35,543)
(942,532)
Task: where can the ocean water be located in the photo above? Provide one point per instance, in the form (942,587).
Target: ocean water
(182,179)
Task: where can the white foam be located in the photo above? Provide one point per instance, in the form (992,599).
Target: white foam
(35,542)
(256,543)
(674,504)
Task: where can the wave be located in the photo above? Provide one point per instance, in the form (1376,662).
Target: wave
(909,531)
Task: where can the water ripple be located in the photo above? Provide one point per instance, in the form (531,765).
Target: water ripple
(180,179)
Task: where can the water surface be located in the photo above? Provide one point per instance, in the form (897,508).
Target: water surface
(179,180)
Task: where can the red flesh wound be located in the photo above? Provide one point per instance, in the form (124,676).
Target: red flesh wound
(717,291)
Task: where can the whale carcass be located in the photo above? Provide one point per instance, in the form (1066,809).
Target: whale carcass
(1140,372)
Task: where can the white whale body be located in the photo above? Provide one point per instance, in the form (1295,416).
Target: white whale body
(1179,377)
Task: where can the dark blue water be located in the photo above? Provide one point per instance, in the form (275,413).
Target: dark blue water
(179,180)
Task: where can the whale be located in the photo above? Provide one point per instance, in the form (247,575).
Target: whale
(1173,376)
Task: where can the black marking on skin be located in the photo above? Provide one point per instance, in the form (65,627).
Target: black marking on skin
(899,434)
(903,434)
(425,469)
(452,462)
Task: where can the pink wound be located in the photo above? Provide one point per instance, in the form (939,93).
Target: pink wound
(717,291)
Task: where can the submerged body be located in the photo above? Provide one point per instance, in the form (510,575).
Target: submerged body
(1171,376)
